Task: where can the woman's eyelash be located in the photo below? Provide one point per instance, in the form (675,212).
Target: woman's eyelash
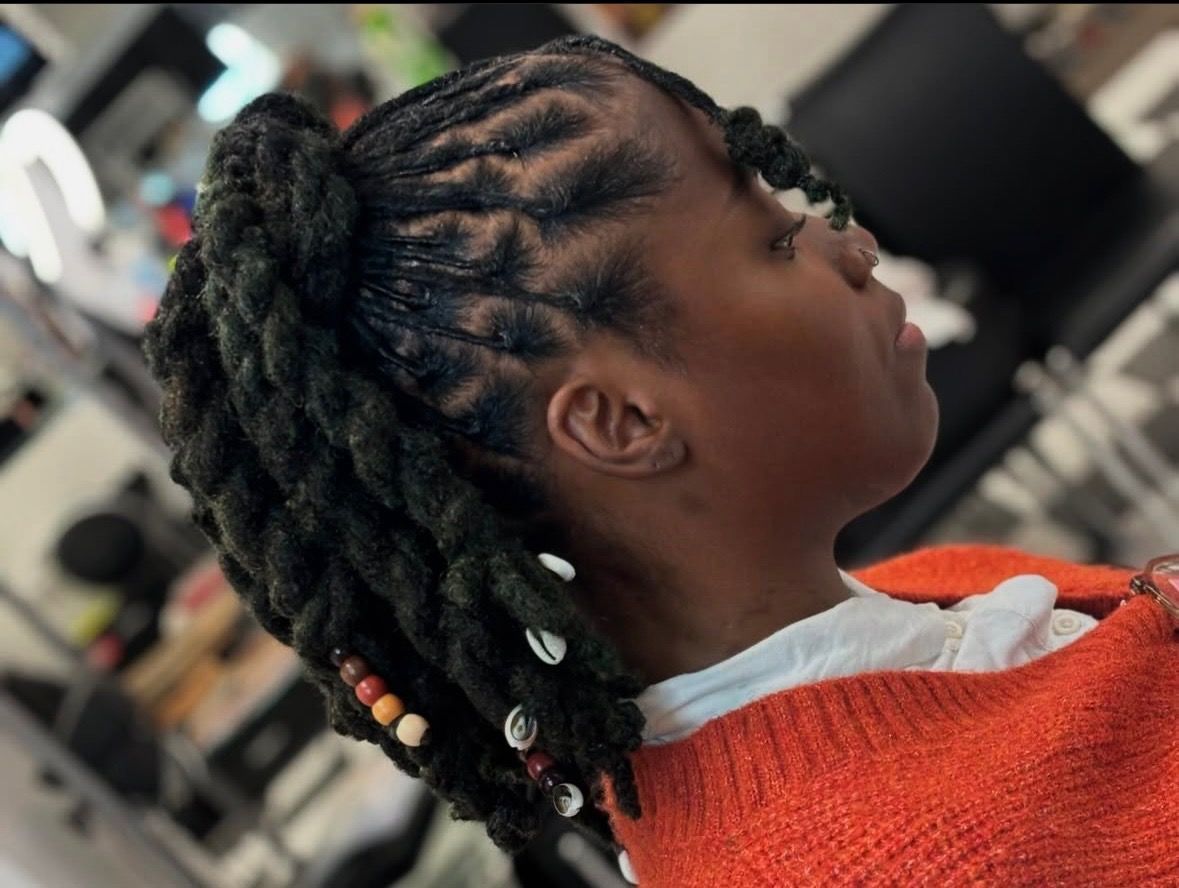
(784,243)
(787,240)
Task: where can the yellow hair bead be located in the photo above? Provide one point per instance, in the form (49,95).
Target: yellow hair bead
(387,708)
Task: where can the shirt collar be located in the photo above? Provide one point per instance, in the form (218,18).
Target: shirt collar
(868,631)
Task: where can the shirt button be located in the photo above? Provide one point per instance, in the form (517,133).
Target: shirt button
(1065,624)
(628,871)
(953,630)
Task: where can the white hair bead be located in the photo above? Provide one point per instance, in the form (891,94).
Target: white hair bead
(549,647)
(559,566)
(567,799)
(520,729)
(412,729)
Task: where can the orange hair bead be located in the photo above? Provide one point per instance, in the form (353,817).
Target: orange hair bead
(387,709)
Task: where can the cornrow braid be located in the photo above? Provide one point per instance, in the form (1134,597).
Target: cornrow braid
(344,350)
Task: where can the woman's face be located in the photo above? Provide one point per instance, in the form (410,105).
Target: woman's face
(794,391)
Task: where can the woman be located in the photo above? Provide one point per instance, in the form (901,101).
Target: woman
(543,307)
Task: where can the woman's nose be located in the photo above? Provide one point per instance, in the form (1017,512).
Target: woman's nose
(859,254)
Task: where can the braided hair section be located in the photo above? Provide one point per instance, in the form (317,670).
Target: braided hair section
(356,312)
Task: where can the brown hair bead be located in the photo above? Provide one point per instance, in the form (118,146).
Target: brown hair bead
(550,780)
(354,670)
(539,762)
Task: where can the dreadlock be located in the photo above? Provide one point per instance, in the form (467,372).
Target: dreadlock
(345,350)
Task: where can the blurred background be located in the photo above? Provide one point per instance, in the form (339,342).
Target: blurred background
(1019,164)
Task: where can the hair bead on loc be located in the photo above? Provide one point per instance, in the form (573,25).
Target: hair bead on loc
(387,709)
(549,781)
(370,690)
(548,647)
(412,730)
(520,729)
(538,763)
(353,670)
(566,797)
(559,566)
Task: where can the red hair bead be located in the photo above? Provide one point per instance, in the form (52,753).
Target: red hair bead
(371,689)
(538,763)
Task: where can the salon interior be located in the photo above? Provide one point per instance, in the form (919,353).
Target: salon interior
(151,735)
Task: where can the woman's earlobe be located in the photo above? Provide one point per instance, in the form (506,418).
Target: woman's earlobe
(670,455)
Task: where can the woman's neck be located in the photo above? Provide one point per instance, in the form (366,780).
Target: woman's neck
(702,602)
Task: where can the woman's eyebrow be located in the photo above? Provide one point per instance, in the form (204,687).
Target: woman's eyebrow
(740,185)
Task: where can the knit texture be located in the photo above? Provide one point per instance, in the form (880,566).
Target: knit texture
(1064,771)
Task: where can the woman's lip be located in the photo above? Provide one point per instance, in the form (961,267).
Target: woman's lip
(910,337)
(899,313)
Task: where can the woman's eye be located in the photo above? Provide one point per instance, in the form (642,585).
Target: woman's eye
(785,244)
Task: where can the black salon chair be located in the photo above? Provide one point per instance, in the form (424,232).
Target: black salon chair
(960,150)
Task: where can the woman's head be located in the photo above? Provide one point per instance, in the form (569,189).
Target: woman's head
(786,390)
(501,312)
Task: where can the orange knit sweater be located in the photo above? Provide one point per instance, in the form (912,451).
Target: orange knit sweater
(1064,771)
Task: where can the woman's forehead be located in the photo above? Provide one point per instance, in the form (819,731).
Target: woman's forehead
(705,174)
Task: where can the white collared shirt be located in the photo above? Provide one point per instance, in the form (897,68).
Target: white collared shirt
(870,632)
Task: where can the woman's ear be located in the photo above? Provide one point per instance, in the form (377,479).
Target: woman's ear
(611,429)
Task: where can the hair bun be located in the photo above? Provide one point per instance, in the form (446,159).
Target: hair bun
(275,208)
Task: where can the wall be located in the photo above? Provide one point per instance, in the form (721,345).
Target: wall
(757,54)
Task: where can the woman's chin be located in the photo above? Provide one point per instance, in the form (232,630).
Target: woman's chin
(924,449)
(905,464)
